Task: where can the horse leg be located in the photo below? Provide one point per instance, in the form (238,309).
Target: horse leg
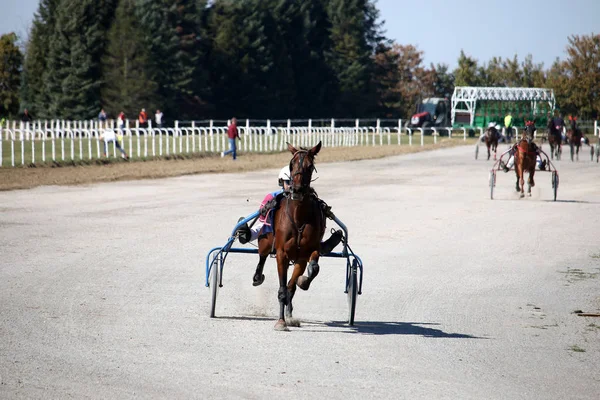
(530,183)
(572,151)
(488,149)
(551,151)
(299,269)
(312,271)
(282,295)
(520,181)
(264,248)
(577,153)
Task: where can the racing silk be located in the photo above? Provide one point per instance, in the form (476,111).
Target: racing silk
(268,197)
(508,121)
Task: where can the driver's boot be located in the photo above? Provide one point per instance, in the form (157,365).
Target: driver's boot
(244,234)
(328,245)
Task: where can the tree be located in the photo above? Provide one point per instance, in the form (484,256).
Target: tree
(386,80)
(126,84)
(34,93)
(171,32)
(414,81)
(11,60)
(443,85)
(466,72)
(76,48)
(355,34)
(583,69)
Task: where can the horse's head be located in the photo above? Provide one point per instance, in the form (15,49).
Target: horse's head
(302,166)
(529,131)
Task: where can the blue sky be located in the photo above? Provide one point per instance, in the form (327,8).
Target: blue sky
(441,28)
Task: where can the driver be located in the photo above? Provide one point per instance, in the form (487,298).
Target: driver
(247,234)
(540,164)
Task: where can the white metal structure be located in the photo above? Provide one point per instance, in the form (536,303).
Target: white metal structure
(465,98)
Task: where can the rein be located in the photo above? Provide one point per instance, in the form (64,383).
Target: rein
(298,193)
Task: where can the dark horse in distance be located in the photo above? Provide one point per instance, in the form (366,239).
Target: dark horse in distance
(491,138)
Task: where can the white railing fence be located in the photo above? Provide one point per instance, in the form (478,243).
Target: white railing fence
(54,141)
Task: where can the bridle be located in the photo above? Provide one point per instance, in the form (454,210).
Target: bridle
(297,192)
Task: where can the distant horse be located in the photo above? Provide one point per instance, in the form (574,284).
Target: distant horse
(574,137)
(554,140)
(525,159)
(491,138)
(299,226)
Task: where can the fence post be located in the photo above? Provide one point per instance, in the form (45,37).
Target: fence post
(399,132)
(287,134)
(596,128)
(193,136)
(247,138)
(268,132)
(379,132)
(212,145)
(148,129)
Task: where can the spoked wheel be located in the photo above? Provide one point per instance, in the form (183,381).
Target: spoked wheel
(597,152)
(476,151)
(555,183)
(591,153)
(492,183)
(215,280)
(352,290)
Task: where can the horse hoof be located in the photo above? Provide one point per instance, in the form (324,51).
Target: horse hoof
(257,281)
(293,322)
(281,326)
(522,195)
(303,282)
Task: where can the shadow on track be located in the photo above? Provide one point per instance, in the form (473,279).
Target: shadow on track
(400,328)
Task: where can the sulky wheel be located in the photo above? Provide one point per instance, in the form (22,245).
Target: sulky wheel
(476,151)
(492,183)
(352,290)
(591,153)
(555,183)
(214,282)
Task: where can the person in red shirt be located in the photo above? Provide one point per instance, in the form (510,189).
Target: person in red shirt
(232,134)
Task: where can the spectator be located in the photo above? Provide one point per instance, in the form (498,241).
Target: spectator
(158,118)
(508,125)
(121,121)
(232,134)
(102,116)
(109,136)
(143,118)
(26,117)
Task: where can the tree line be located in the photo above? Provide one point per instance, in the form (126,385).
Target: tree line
(201,59)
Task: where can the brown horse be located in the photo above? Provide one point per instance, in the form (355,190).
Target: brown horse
(525,159)
(491,138)
(299,226)
(574,136)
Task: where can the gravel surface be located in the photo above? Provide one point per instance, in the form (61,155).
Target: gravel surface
(102,288)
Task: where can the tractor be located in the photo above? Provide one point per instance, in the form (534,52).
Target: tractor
(431,112)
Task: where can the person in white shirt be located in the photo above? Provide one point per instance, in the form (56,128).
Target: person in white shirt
(108,136)
(158,118)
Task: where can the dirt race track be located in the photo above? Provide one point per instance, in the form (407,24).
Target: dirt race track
(102,289)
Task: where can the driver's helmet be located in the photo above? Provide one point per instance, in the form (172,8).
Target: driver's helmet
(284,175)
(491,125)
